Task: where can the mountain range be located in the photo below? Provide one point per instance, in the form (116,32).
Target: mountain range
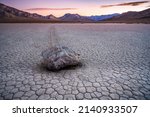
(102,17)
(10,14)
(75,18)
(131,17)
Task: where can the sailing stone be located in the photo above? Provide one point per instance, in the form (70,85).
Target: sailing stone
(59,57)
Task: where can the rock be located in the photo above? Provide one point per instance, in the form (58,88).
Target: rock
(56,58)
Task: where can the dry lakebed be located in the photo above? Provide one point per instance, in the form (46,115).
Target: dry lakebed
(115,62)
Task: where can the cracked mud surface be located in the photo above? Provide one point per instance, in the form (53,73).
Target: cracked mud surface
(115,57)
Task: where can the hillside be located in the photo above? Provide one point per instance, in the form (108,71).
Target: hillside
(10,14)
(132,17)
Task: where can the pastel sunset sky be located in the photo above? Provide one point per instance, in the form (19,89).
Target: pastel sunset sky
(82,7)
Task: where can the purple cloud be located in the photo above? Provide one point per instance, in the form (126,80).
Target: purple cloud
(126,4)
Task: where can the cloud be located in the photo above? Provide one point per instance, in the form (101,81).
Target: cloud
(52,9)
(126,4)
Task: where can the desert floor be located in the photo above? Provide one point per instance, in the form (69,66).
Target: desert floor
(115,61)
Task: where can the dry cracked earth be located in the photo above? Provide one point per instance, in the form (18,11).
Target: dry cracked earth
(115,62)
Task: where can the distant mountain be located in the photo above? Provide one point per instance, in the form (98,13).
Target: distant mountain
(75,18)
(52,17)
(10,14)
(102,17)
(132,17)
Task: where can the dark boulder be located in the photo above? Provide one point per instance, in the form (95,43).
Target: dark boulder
(57,58)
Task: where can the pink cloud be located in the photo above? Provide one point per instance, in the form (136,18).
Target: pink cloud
(35,9)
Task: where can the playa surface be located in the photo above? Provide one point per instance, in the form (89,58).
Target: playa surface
(115,61)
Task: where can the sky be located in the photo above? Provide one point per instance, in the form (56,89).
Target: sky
(83,7)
